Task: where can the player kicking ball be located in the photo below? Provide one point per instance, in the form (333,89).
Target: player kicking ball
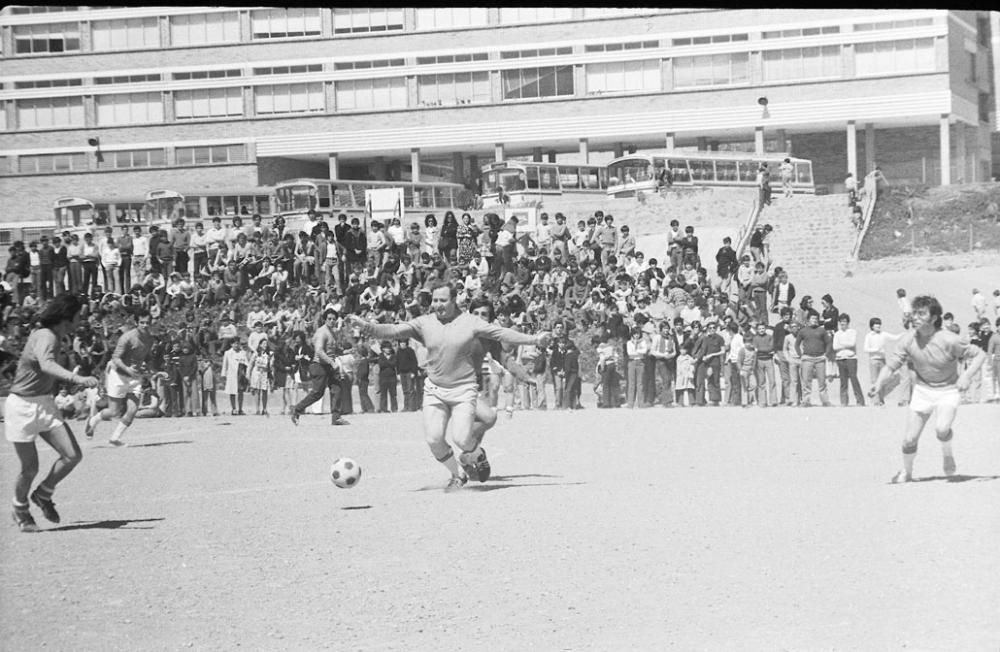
(934,354)
(450,389)
(30,411)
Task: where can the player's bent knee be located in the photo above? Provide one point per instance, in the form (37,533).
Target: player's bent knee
(945,436)
(909,448)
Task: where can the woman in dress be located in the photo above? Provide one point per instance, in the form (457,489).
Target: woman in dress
(234,364)
(467,233)
(284,372)
(261,372)
(448,242)
(429,244)
(301,355)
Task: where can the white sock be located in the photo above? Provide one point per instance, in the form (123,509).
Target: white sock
(119,431)
(908,463)
(946,448)
(94,420)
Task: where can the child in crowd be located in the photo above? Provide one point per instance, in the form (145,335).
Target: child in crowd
(684,383)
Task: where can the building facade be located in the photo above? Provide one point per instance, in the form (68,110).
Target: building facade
(234,100)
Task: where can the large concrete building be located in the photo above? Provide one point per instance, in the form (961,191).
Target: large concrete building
(231,100)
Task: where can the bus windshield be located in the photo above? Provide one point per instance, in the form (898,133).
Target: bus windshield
(295,197)
(630,170)
(511,179)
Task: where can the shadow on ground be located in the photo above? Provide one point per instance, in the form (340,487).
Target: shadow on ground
(106,525)
(505,482)
(957,478)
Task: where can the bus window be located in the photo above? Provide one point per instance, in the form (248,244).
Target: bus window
(803,173)
(262,204)
(679,170)
(569,178)
(442,197)
(702,170)
(549,179)
(342,197)
(532,174)
(725,171)
(748,171)
(192,208)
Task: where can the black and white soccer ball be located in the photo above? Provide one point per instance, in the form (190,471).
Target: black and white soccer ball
(345,473)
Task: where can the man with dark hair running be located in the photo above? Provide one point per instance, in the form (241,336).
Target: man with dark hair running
(124,380)
(325,370)
(30,411)
(933,353)
(450,391)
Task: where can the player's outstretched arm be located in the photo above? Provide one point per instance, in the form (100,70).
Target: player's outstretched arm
(45,353)
(978,358)
(384,331)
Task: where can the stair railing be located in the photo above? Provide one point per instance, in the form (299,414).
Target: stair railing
(868,198)
(746,229)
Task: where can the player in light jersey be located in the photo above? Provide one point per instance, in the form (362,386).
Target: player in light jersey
(450,391)
(30,410)
(124,380)
(325,370)
(934,354)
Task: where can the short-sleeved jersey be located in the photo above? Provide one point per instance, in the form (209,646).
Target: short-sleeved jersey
(133,348)
(934,360)
(30,379)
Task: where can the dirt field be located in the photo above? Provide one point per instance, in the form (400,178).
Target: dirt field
(689,529)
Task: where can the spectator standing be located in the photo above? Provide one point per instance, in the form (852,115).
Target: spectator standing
(734,359)
(45,263)
(763,344)
(708,353)
(406,367)
(60,264)
(636,350)
(812,343)
(559,237)
(387,378)
(35,265)
(90,259)
(845,350)
(365,358)
(126,250)
(793,397)
(261,365)
(140,254)
(874,346)
(207,380)
(111,261)
(234,364)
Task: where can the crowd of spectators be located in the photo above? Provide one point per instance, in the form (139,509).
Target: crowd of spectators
(234,307)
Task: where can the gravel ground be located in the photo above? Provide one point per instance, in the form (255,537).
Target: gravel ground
(689,529)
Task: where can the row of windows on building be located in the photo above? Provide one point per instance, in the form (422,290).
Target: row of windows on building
(123,160)
(224,27)
(913,55)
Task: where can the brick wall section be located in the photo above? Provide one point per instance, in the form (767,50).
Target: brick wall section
(30,198)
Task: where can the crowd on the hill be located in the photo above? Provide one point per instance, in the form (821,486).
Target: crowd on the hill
(234,307)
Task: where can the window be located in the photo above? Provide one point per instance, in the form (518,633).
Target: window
(43,163)
(910,55)
(36,39)
(290,98)
(712,70)
(705,40)
(200,29)
(528,54)
(365,65)
(973,76)
(616,47)
(43,9)
(47,83)
(616,12)
(211,154)
(984,107)
(127,79)
(537,82)
(129,108)
(448,17)
(808,31)
(139,158)
(207,74)
(623,76)
(453,58)
(802,63)
(349,21)
(50,112)
(208,103)
(289,70)
(983,31)
(454,89)
(371,94)
(534,14)
(894,24)
(281,23)
(126,34)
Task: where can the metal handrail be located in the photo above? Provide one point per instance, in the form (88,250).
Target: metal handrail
(870,189)
(746,229)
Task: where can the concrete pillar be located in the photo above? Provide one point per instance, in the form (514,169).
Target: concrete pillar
(758,140)
(713,145)
(869,147)
(536,154)
(670,141)
(702,144)
(945,133)
(852,148)
(498,153)
(414,164)
(334,166)
(457,168)
(379,172)
(585,150)
(961,155)
(619,150)
(551,155)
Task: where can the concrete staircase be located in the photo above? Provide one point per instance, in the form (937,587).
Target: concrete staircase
(813,235)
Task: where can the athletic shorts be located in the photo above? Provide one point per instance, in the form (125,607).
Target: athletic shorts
(450,397)
(925,398)
(120,386)
(26,416)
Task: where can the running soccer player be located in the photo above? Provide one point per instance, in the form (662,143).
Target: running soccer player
(30,411)
(933,353)
(450,391)
(325,371)
(124,380)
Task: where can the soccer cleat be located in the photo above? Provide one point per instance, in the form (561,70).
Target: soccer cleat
(117,443)
(88,430)
(47,506)
(949,465)
(341,421)
(24,520)
(295,418)
(455,483)
(482,467)
(900,478)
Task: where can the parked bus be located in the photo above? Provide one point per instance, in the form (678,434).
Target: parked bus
(26,232)
(649,173)
(523,181)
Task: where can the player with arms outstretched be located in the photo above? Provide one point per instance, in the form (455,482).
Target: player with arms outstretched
(934,354)
(325,371)
(124,380)
(450,390)
(30,411)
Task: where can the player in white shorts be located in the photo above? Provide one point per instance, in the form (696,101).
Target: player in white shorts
(30,411)
(124,380)
(450,390)
(934,354)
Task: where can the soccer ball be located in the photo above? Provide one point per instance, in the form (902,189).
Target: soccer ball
(345,473)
